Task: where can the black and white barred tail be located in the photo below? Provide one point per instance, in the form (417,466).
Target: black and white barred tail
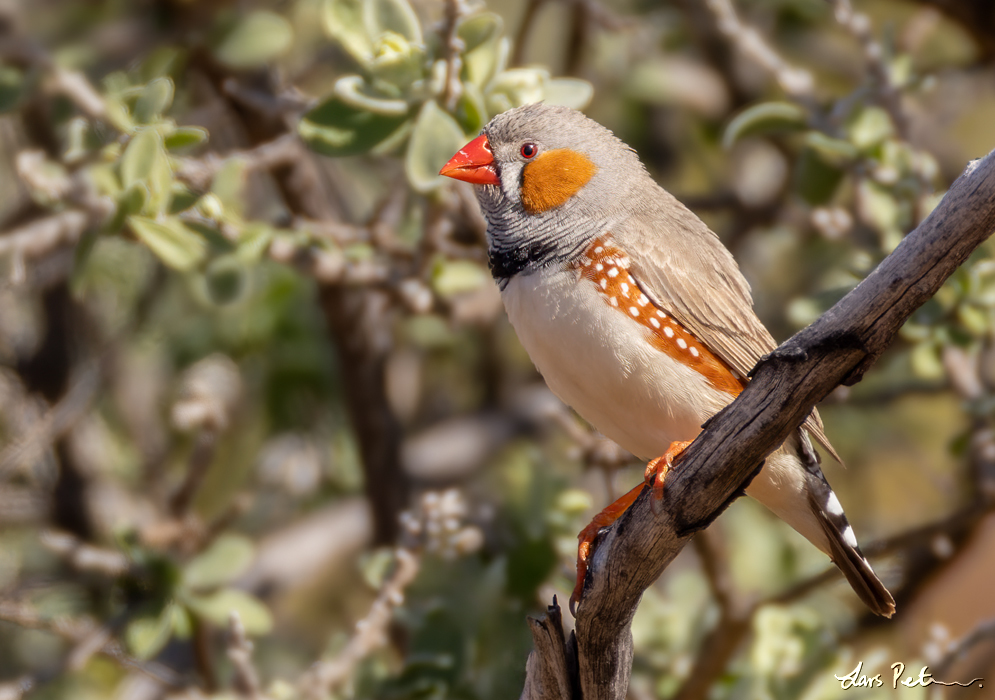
(843,549)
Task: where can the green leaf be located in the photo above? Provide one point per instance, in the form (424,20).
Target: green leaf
(375,566)
(177,246)
(118,115)
(225,280)
(140,157)
(343,21)
(145,161)
(926,362)
(481,37)
(76,147)
(396,16)
(397,61)
(517,87)
(765,118)
(569,92)
(226,559)
(12,85)
(835,151)
(254,241)
(185,137)
(869,127)
(338,129)
(229,187)
(146,636)
(217,607)
(471,110)
(452,277)
(256,39)
(356,92)
(882,209)
(132,200)
(815,179)
(154,100)
(434,140)
(975,320)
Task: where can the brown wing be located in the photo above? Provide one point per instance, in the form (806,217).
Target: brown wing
(684,268)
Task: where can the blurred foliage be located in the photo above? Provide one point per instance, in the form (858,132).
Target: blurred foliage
(177,386)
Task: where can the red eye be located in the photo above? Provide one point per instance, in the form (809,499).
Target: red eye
(529,150)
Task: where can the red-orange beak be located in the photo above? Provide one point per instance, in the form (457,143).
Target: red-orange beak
(473,163)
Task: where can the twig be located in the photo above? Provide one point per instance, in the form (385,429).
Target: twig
(78,630)
(557,681)
(55,422)
(15,689)
(72,85)
(859,25)
(984,630)
(522,36)
(797,82)
(888,95)
(42,236)
(735,620)
(83,556)
(371,631)
(246,680)
(199,172)
(197,466)
(452,50)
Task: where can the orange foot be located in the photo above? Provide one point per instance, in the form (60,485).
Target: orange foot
(657,469)
(656,472)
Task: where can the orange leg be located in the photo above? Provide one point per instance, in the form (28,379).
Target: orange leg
(656,469)
(656,472)
(587,535)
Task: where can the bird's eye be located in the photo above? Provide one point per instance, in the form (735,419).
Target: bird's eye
(529,150)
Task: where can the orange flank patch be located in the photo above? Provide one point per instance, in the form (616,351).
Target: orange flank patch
(607,266)
(553,178)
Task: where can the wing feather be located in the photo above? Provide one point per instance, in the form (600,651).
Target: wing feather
(684,268)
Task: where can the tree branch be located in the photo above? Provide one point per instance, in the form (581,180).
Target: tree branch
(838,348)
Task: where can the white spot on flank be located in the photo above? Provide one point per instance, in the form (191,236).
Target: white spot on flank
(833,505)
(849,537)
(656,324)
(613,272)
(643,300)
(599,267)
(613,301)
(599,249)
(694,352)
(669,332)
(625,290)
(661,314)
(604,283)
(634,311)
(682,345)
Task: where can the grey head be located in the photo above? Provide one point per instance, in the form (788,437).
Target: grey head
(524,237)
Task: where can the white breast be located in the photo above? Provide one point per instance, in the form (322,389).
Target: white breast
(599,361)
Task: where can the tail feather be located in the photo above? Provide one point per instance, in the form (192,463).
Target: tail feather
(793,486)
(845,553)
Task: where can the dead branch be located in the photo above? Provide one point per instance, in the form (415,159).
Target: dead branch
(836,349)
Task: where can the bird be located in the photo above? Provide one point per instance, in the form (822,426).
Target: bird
(635,314)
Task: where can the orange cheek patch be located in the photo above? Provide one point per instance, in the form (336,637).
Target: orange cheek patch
(607,266)
(553,178)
